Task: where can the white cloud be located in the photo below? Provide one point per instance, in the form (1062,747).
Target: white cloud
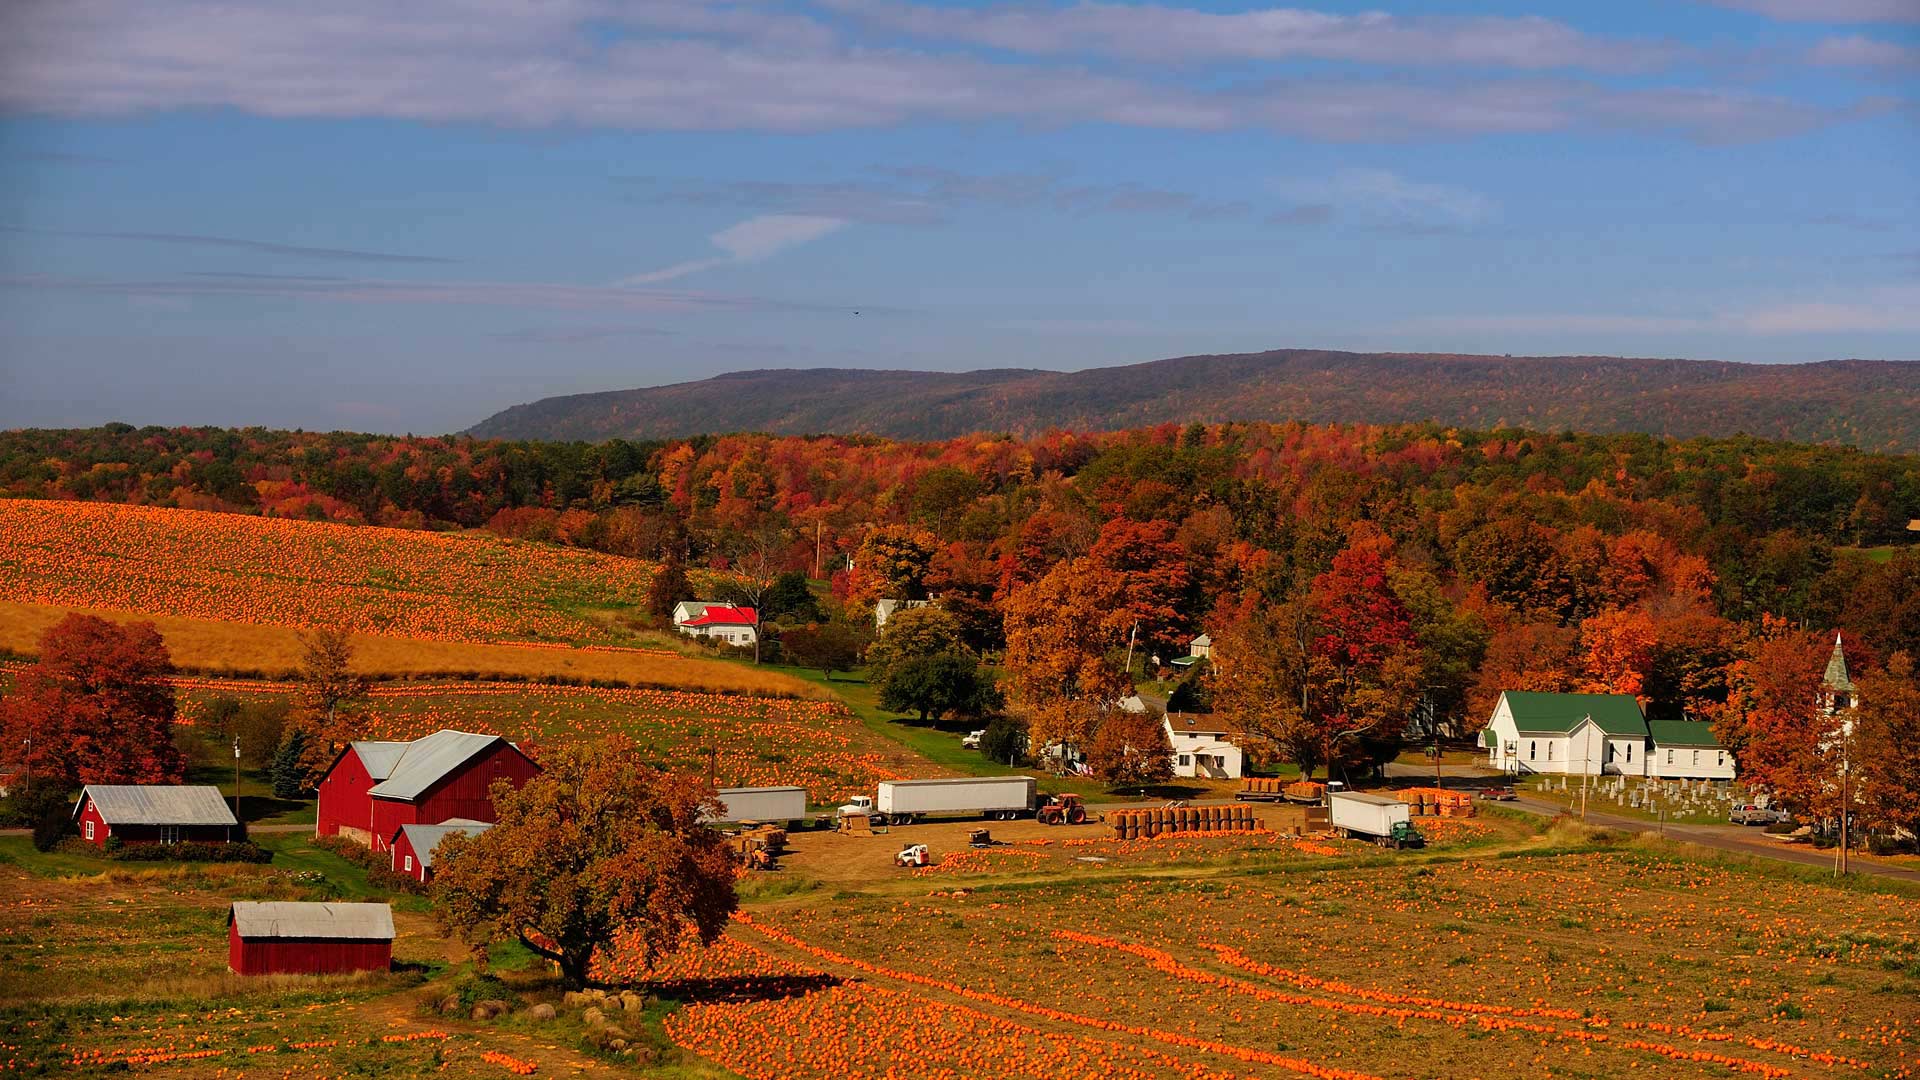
(749,241)
(1856,50)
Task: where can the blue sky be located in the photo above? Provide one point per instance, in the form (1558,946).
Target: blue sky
(403,217)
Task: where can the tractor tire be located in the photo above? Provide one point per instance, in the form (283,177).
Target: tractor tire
(1048,817)
(1076,816)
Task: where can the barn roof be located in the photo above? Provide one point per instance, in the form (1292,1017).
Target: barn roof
(288,919)
(157,804)
(425,838)
(424,762)
(380,757)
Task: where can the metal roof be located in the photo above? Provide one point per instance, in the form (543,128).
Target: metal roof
(1682,733)
(425,838)
(379,757)
(1836,676)
(289,919)
(1539,713)
(157,804)
(425,761)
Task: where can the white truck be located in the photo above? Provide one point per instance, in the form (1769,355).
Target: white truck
(1387,822)
(762,804)
(902,802)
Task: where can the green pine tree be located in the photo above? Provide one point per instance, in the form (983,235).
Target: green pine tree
(289,776)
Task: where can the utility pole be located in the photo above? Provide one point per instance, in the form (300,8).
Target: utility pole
(236,778)
(1135,636)
(713,766)
(29,764)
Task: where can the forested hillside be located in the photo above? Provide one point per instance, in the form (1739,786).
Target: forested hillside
(1544,560)
(1875,405)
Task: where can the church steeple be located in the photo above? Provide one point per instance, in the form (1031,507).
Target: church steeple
(1837,686)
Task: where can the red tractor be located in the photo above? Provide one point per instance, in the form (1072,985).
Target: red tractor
(1060,810)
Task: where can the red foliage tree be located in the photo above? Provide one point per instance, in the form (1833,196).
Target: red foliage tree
(98,707)
(1775,723)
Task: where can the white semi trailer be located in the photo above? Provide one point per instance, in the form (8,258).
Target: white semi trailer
(901,802)
(1387,822)
(762,804)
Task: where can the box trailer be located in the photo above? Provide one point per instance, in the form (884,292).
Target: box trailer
(900,802)
(762,804)
(1384,821)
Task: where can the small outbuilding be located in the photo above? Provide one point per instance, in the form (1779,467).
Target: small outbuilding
(735,624)
(1203,747)
(154,814)
(373,788)
(414,845)
(287,938)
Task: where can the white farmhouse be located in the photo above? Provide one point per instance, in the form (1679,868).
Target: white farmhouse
(1687,750)
(1201,748)
(884,609)
(731,624)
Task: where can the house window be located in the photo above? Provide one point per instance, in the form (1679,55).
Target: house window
(169,834)
(1669,757)
(1629,752)
(1549,751)
(1533,749)
(89,830)
(1696,757)
(409,864)
(1721,759)
(1185,760)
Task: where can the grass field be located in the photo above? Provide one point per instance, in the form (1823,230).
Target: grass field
(240,569)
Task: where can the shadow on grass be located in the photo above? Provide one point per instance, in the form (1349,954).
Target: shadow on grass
(741,988)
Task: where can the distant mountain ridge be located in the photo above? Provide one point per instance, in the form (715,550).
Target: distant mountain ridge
(1873,404)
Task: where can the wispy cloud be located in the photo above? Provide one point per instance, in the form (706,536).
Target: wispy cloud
(1385,198)
(576,335)
(1872,310)
(702,66)
(263,246)
(1159,33)
(1857,50)
(502,294)
(750,241)
(1828,11)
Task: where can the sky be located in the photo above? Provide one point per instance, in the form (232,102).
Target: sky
(403,217)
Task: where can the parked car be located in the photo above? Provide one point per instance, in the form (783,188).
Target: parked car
(1751,814)
(971,740)
(1498,794)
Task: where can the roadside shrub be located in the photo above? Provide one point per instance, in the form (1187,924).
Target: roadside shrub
(49,828)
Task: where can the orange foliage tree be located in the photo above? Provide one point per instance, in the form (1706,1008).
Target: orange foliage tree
(1886,745)
(1617,650)
(1774,721)
(98,707)
(600,846)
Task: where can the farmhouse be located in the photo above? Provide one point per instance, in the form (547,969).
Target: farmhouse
(731,624)
(1201,747)
(884,609)
(373,788)
(1598,735)
(414,845)
(154,814)
(1200,646)
(285,938)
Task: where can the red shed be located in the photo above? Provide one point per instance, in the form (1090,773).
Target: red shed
(414,845)
(154,814)
(285,938)
(373,788)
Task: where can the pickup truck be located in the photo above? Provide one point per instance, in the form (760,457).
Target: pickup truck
(1749,814)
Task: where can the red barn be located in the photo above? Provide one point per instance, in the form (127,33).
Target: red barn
(285,938)
(154,814)
(414,845)
(373,788)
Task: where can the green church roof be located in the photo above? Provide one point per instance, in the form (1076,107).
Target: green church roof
(1682,733)
(1615,714)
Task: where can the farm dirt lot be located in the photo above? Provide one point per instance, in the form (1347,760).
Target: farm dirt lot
(1505,949)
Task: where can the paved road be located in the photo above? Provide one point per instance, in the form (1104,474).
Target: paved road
(1739,839)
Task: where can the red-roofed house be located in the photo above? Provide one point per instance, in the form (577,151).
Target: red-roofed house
(731,624)
(373,788)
